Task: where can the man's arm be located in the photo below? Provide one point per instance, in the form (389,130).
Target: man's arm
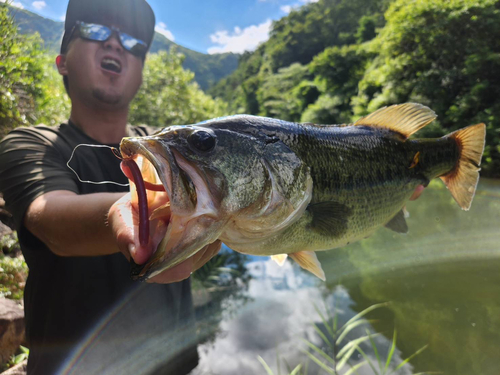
(73,225)
(96,224)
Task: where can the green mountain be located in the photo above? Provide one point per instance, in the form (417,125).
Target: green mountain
(333,61)
(208,69)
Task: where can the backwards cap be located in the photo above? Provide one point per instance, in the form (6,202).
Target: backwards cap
(135,17)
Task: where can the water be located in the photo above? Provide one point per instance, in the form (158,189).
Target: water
(442,280)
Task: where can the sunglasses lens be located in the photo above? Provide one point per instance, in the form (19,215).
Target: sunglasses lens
(95,32)
(101,33)
(133,45)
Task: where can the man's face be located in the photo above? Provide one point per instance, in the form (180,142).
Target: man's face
(102,73)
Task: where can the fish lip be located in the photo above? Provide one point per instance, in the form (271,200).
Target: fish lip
(130,148)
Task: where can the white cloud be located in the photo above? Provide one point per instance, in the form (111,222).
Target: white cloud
(63,17)
(286,8)
(240,40)
(16,4)
(161,27)
(39,5)
(280,312)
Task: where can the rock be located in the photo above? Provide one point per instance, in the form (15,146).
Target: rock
(19,369)
(11,328)
(4,229)
(6,220)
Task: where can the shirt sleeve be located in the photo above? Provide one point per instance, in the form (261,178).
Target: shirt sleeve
(31,164)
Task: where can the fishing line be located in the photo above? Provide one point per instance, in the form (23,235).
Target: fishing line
(115,152)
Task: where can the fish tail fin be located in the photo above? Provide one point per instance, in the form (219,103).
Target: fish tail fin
(462,179)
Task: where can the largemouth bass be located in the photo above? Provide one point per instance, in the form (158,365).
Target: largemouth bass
(268,187)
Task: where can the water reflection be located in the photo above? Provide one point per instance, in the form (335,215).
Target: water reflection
(280,315)
(442,280)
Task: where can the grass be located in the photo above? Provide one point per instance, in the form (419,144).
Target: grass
(340,350)
(15,359)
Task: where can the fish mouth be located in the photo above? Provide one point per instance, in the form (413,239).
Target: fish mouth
(180,208)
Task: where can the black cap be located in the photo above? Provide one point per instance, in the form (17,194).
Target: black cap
(135,17)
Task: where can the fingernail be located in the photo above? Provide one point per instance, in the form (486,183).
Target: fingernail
(131,249)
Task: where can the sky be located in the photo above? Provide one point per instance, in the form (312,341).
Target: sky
(213,26)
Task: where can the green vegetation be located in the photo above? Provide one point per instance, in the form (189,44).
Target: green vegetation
(336,60)
(13,268)
(208,69)
(13,273)
(15,359)
(169,96)
(339,351)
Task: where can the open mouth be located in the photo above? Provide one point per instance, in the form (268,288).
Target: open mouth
(163,224)
(111,65)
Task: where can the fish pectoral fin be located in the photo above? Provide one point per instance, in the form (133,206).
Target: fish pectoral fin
(329,218)
(309,261)
(279,258)
(398,223)
(404,119)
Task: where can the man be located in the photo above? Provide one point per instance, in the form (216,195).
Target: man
(83,313)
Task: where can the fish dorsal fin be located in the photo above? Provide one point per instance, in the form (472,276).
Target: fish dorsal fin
(398,223)
(309,261)
(404,119)
(279,258)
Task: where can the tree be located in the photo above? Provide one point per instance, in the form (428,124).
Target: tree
(445,54)
(169,96)
(20,73)
(287,93)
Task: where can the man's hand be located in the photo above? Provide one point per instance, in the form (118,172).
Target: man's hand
(123,220)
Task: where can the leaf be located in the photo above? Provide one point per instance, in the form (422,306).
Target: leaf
(323,336)
(391,351)
(410,357)
(348,328)
(352,343)
(296,370)
(325,322)
(346,357)
(319,363)
(266,367)
(320,352)
(366,311)
(354,368)
(375,350)
(366,358)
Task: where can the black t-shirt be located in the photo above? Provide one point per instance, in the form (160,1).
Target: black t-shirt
(84,314)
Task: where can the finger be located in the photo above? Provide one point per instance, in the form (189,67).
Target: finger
(210,251)
(418,191)
(178,273)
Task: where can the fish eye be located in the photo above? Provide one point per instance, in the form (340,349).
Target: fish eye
(202,141)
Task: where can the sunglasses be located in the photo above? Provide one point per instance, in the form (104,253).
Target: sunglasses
(101,33)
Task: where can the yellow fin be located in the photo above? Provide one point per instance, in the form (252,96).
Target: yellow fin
(279,258)
(415,160)
(161,211)
(404,119)
(462,180)
(309,261)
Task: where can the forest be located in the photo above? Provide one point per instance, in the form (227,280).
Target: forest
(334,61)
